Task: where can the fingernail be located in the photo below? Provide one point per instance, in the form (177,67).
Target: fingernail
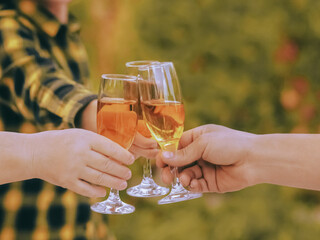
(168,154)
(128,175)
(132,158)
(123,185)
(102,194)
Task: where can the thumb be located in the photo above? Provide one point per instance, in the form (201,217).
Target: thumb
(184,156)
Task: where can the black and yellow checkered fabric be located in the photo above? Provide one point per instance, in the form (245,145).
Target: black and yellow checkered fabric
(43,65)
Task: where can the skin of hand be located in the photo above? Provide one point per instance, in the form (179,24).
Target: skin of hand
(218,159)
(211,159)
(145,147)
(80,160)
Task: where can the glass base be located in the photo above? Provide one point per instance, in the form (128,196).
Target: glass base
(111,207)
(147,188)
(179,194)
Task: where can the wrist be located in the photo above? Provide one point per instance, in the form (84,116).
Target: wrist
(24,160)
(88,117)
(33,146)
(264,159)
(16,158)
(253,165)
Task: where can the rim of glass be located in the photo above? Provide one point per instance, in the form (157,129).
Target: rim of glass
(159,65)
(141,63)
(122,77)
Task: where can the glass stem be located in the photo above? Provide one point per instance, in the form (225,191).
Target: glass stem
(114,196)
(172,147)
(176,181)
(147,171)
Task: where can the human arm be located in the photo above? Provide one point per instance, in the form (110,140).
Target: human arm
(87,118)
(79,160)
(218,159)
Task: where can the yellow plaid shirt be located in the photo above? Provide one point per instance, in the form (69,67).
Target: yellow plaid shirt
(43,67)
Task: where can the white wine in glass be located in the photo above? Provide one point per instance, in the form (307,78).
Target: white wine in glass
(147,187)
(117,120)
(163,111)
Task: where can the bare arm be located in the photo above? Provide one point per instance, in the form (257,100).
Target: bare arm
(15,157)
(79,160)
(88,117)
(286,159)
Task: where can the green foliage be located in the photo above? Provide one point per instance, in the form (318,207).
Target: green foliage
(227,52)
(248,65)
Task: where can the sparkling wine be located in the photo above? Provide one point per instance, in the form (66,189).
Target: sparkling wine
(165,120)
(117,120)
(143,129)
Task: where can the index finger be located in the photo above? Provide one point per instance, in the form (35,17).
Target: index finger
(111,149)
(143,142)
(189,136)
(192,134)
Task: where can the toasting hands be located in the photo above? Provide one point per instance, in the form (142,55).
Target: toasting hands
(211,159)
(218,159)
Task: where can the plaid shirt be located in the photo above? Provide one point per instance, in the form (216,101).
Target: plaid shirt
(43,67)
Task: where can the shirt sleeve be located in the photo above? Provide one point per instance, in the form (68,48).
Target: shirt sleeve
(38,89)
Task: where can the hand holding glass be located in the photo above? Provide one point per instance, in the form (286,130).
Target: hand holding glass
(163,112)
(147,187)
(117,120)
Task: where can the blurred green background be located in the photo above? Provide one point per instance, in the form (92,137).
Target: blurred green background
(248,65)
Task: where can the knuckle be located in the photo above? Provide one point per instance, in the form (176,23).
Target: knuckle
(203,141)
(79,147)
(107,165)
(113,150)
(100,179)
(117,153)
(184,152)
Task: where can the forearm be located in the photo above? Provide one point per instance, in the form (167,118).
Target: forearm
(88,117)
(15,157)
(286,159)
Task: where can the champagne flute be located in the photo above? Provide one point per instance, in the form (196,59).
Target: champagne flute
(117,120)
(163,111)
(147,187)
